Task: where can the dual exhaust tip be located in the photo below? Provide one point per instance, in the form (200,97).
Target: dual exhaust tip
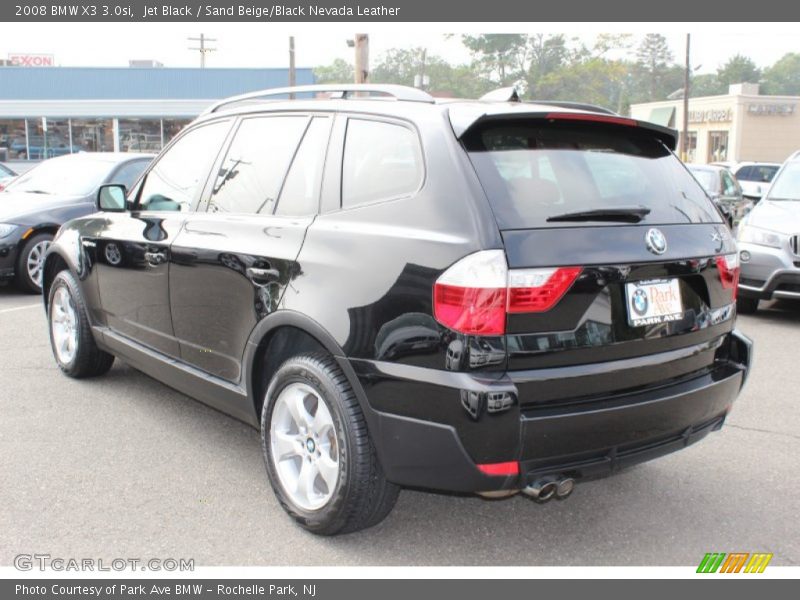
(547,488)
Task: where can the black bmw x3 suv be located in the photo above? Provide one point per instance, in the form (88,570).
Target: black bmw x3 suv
(484,296)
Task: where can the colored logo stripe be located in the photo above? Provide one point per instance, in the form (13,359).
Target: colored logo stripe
(734,563)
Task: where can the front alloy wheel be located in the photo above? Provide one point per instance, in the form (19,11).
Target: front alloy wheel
(63,325)
(30,265)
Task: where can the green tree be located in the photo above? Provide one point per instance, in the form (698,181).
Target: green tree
(595,81)
(401,66)
(738,69)
(654,61)
(783,78)
(339,71)
(706,85)
(498,57)
(546,55)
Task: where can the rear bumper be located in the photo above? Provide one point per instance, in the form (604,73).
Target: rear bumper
(586,440)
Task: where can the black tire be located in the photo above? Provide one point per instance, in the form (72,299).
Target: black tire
(746,306)
(88,359)
(362,496)
(22,278)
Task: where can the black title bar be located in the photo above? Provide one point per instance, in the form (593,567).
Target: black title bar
(463,11)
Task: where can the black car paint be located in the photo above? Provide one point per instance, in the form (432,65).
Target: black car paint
(346,276)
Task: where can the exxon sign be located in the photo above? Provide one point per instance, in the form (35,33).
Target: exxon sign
(32,60)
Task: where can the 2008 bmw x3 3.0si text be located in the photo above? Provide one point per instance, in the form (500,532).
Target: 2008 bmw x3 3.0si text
(476,296)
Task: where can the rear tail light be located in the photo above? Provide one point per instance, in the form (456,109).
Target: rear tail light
(498,469)
(728,267)
(475,294)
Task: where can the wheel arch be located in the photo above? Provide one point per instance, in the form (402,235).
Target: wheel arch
(54,263)
(280,336)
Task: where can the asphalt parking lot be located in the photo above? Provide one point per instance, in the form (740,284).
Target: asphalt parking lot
(122,466)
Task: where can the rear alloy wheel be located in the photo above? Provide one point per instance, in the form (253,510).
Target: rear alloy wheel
(321,462)
(71,338)
(30,265)
(746,306)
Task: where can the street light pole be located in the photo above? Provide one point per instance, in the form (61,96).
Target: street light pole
(362,58)
(685,135)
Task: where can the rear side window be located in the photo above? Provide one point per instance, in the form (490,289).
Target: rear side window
(256,163)
(381,161)
(533,170)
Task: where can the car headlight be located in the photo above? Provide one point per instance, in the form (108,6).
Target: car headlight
(6,229)
(761,237)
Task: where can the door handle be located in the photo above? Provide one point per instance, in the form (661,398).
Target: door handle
(155,258)
(262,275)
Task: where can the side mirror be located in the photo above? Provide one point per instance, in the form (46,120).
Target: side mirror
(111,198)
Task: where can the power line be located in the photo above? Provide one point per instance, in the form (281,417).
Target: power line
(203,49)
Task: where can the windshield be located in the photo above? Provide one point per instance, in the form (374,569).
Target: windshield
(708,179)
(787,184)
(76,175)
(533,171)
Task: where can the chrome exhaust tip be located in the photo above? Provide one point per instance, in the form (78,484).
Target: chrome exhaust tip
(541,490)
(565,487)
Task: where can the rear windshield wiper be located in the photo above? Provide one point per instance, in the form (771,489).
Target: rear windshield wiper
(622,214)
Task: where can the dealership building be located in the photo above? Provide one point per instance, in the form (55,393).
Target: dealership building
(738,126)
(51,111)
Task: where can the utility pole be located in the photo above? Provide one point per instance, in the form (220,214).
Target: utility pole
(362,58)
(203,48)
(685,134)
(292,69)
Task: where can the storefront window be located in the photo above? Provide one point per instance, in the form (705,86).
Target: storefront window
(717,146)
(172,127)
(139,135)
(46,138)
(92,135)
(691,146)
(36,138)
(12,138)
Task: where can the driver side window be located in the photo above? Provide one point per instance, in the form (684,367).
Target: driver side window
(174,182)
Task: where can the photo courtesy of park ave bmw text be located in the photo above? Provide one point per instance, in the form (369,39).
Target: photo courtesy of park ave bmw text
(343,299)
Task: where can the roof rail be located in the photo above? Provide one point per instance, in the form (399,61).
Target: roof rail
(340,90)
(575,105)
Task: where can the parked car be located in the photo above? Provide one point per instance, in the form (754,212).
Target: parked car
(292,262)
(6,176)
(724,190)
(769,242)
(38,202)
(754,177)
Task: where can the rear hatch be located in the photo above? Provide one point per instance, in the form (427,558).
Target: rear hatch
(637,269)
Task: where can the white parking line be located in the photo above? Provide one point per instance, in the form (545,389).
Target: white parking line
(7,310)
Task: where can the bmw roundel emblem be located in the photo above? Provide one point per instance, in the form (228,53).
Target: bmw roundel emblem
(656,242)
(640,302)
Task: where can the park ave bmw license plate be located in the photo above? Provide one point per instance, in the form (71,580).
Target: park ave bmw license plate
(653,302)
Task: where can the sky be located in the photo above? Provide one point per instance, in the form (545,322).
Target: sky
(265,44)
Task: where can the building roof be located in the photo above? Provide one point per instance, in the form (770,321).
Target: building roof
(123,83)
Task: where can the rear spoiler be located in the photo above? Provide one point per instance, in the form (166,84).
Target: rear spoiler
(463,121)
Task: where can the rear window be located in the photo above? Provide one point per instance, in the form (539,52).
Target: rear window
(533,171)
